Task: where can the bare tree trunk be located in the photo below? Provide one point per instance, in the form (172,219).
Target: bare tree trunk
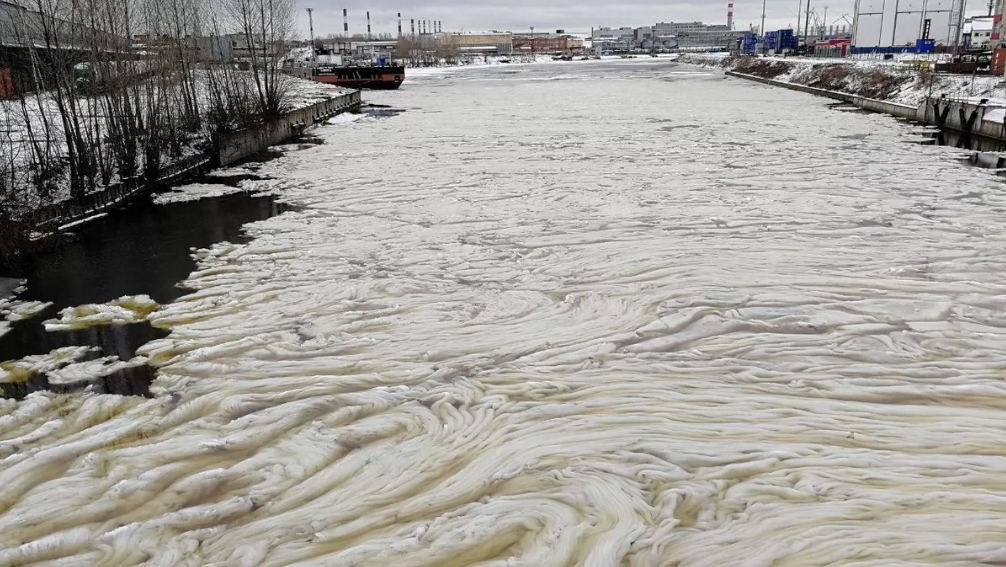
(266,26)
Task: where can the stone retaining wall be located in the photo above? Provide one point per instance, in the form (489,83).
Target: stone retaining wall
(246,144)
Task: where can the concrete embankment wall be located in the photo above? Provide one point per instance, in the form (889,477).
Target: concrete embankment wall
(246,144)
(235,147)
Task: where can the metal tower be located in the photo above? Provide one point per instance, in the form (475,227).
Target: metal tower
(956,23)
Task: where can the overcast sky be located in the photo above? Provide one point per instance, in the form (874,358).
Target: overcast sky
(571,15)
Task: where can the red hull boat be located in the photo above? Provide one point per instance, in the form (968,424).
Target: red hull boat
(357,77)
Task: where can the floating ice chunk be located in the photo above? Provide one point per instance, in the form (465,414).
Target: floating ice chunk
(195,192)
(21,370)
(125,310)
(13,310)
(346,118)
(20,310)
(92,369)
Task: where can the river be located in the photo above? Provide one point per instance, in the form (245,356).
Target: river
(604,314)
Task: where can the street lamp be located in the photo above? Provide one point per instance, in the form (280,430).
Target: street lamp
(532,42)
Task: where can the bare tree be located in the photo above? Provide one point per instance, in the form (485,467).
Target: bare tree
(91,109)
(265,27)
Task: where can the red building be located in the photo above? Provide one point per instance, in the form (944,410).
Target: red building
(546,43)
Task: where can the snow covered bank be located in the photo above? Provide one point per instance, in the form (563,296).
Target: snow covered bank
(45,124)
(893,81)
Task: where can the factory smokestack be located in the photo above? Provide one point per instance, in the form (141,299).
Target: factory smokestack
(399,25)
(730,15)
(345,21)
(368,25)
(413,21)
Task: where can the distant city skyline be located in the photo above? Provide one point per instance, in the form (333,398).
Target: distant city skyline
(575,16)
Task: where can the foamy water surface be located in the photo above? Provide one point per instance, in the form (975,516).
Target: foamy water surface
(603,314)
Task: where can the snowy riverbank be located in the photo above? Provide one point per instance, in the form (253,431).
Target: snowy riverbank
(903,82)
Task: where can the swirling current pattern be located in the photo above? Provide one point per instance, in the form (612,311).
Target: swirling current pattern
(602,315)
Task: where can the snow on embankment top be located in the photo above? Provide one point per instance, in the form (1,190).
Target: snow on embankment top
(901,81)
(304,93)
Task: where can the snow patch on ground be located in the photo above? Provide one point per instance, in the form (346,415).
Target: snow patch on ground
(304,93)
(122,311)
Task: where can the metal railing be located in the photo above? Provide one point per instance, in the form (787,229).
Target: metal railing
(50,218)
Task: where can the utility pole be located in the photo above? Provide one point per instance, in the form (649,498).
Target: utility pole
(855,22)
(799,8)
(894,28)
(806,25)
(880,35)
(764,4)
(310,23)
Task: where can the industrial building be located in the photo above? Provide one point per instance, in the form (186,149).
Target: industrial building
(666,36)
(482,43)
(613,40)
(978,31)
(546,43)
